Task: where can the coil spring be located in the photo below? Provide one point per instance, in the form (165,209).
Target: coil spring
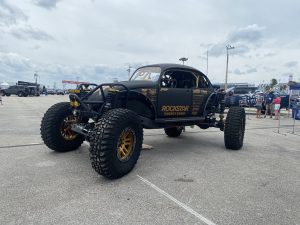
(110,101)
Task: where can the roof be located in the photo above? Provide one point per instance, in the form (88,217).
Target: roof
(165,66)
(295,86)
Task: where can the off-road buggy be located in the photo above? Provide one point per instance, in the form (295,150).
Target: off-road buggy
(112,116)
(83,89)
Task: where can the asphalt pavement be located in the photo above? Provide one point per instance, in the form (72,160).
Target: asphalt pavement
(192,179)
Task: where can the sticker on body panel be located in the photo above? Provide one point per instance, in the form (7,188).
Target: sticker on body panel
(175,110)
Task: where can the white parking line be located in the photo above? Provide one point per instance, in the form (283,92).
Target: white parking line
(182,205)
(22,145)
(19,117)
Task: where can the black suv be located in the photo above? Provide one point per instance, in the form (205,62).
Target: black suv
(19,90)
(112,116)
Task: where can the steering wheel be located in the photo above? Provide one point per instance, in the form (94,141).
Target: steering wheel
(168,81)
(172,83)
(165,80)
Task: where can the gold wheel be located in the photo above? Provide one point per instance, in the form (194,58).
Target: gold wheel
(66,126)
(126,144)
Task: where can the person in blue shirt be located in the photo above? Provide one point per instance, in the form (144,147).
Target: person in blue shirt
(268,102)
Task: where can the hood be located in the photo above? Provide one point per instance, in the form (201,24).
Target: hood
(136,84)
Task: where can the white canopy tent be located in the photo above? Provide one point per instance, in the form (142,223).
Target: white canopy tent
(4,85)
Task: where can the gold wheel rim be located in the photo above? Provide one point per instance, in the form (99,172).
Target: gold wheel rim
(126,144)
(66,126)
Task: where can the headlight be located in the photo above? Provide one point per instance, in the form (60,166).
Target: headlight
(74,104)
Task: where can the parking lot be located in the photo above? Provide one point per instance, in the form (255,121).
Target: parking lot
(192,179)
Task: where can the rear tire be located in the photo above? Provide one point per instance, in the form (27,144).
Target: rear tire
(20,94)
(51,129)
(173,131)
(107,143)
(235,128)
(203,126)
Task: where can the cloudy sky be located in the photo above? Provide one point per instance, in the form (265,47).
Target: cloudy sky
(96,40)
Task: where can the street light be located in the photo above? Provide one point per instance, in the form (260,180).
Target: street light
(183,59)
(228,47)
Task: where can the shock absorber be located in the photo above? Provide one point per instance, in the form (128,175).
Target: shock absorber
(221,94)
(110,100)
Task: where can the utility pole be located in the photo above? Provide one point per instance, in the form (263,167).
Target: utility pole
(35,75)
(207,63)
(77,79)
(228,47)
(129,70)
(183,59)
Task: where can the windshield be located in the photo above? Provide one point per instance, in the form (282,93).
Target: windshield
(147,73)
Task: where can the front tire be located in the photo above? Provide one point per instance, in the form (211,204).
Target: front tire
(20,94)
(173,131)
(235,128)
(55,129)
(116,143)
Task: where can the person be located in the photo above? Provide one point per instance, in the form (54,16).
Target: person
(268,102)
(259,101)
(276,102)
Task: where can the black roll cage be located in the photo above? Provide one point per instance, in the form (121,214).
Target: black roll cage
(100,86)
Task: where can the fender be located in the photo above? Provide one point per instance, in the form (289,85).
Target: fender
(207,102)
(138,101)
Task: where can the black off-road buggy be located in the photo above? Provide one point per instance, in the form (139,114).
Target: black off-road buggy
(83,89)
(112,116)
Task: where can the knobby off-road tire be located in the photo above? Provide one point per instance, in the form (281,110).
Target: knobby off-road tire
(235,128)
(173,131)
(51,128)
(107,143)
(204,126)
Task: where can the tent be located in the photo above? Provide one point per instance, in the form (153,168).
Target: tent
(295,86)
(4,85)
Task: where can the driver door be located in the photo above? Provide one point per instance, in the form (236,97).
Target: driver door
(173,101)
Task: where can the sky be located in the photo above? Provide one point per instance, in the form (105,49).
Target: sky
(96,40)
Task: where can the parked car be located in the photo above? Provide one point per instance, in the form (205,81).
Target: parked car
(51,92)
(60,92)
(20,90)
